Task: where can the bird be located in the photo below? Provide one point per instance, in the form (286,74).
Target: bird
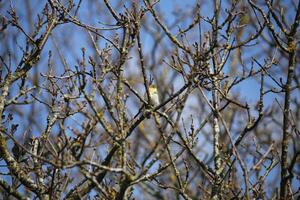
(154,98)
(152,102)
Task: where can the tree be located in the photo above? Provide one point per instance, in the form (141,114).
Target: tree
(77,120)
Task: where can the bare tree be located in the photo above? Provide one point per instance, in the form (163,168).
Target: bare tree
(149,99)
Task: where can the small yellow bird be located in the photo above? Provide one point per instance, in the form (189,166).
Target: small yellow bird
(154,99)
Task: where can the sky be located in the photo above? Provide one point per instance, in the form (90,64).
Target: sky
(249,89)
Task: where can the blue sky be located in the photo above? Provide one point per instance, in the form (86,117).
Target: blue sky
(249,89)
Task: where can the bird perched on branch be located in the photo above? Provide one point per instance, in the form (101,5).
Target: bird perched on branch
(152,102)
(154,99)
